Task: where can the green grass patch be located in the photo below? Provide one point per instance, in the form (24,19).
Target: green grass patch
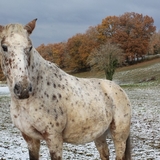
(5,98)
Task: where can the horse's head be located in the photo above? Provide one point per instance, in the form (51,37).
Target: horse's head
(15,51)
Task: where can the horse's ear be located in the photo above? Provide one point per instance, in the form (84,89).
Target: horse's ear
(1,28)
(30,26)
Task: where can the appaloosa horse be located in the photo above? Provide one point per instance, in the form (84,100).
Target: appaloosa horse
(48,104)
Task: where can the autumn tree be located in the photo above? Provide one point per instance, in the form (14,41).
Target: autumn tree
(106,58)
(72,47)
(79,47)
(132,31)
(89,42)
(46,51)
(154,44)
(60,54)
(107,29)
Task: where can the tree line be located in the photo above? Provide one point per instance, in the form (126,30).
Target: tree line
(134,33)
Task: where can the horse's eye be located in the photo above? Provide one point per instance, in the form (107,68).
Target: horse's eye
(30,48)
(5,48)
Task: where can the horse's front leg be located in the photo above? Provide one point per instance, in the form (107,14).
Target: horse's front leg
(55,145)
(33,147)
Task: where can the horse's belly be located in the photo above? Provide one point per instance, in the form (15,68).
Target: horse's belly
(86,123)
(81,135)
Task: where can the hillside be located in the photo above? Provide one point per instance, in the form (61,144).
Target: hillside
(148,71)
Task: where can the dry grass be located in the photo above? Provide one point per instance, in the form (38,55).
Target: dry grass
(134,74)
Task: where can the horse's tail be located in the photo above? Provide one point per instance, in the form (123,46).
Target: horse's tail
(128,149)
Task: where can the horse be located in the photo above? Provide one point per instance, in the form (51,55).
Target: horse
(51,105)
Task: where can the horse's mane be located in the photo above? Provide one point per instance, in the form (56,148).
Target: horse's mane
(10,28)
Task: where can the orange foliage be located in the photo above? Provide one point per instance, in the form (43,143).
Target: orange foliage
(59,54)
(45,51)
(136,31)
(107,28)
(54,53)
(79,47)
(154,45)
(73,45)
(131,31)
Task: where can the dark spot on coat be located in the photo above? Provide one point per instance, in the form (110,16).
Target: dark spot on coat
(54,97)
(45,93)
(56,75)
(59,95)
(63,87)
(52,125)
(61,110)
(57,124)
(60,77)
(10,62)
(126,115)
(48,83)
(54,85)
(56,117)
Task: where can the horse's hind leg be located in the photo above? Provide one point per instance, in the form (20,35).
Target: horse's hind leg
(102,146)
(122,148)
(33,147)
(122,143)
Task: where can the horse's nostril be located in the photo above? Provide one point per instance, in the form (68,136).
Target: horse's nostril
(17,89)
(30,88)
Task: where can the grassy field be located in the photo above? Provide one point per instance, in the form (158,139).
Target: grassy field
(142,73)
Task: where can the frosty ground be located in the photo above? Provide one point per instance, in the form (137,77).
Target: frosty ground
(145,130)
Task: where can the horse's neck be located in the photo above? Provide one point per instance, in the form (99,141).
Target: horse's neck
(40,67)
(36,66)
(35,62)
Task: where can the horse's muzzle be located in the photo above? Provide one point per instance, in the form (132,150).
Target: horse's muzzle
(22,92)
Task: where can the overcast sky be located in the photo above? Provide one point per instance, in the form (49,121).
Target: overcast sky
(59,20)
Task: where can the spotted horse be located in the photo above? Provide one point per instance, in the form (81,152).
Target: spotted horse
(49,104)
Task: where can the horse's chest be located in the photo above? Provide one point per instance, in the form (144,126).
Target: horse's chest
(24,123)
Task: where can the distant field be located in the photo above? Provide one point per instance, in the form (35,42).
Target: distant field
(145,72)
